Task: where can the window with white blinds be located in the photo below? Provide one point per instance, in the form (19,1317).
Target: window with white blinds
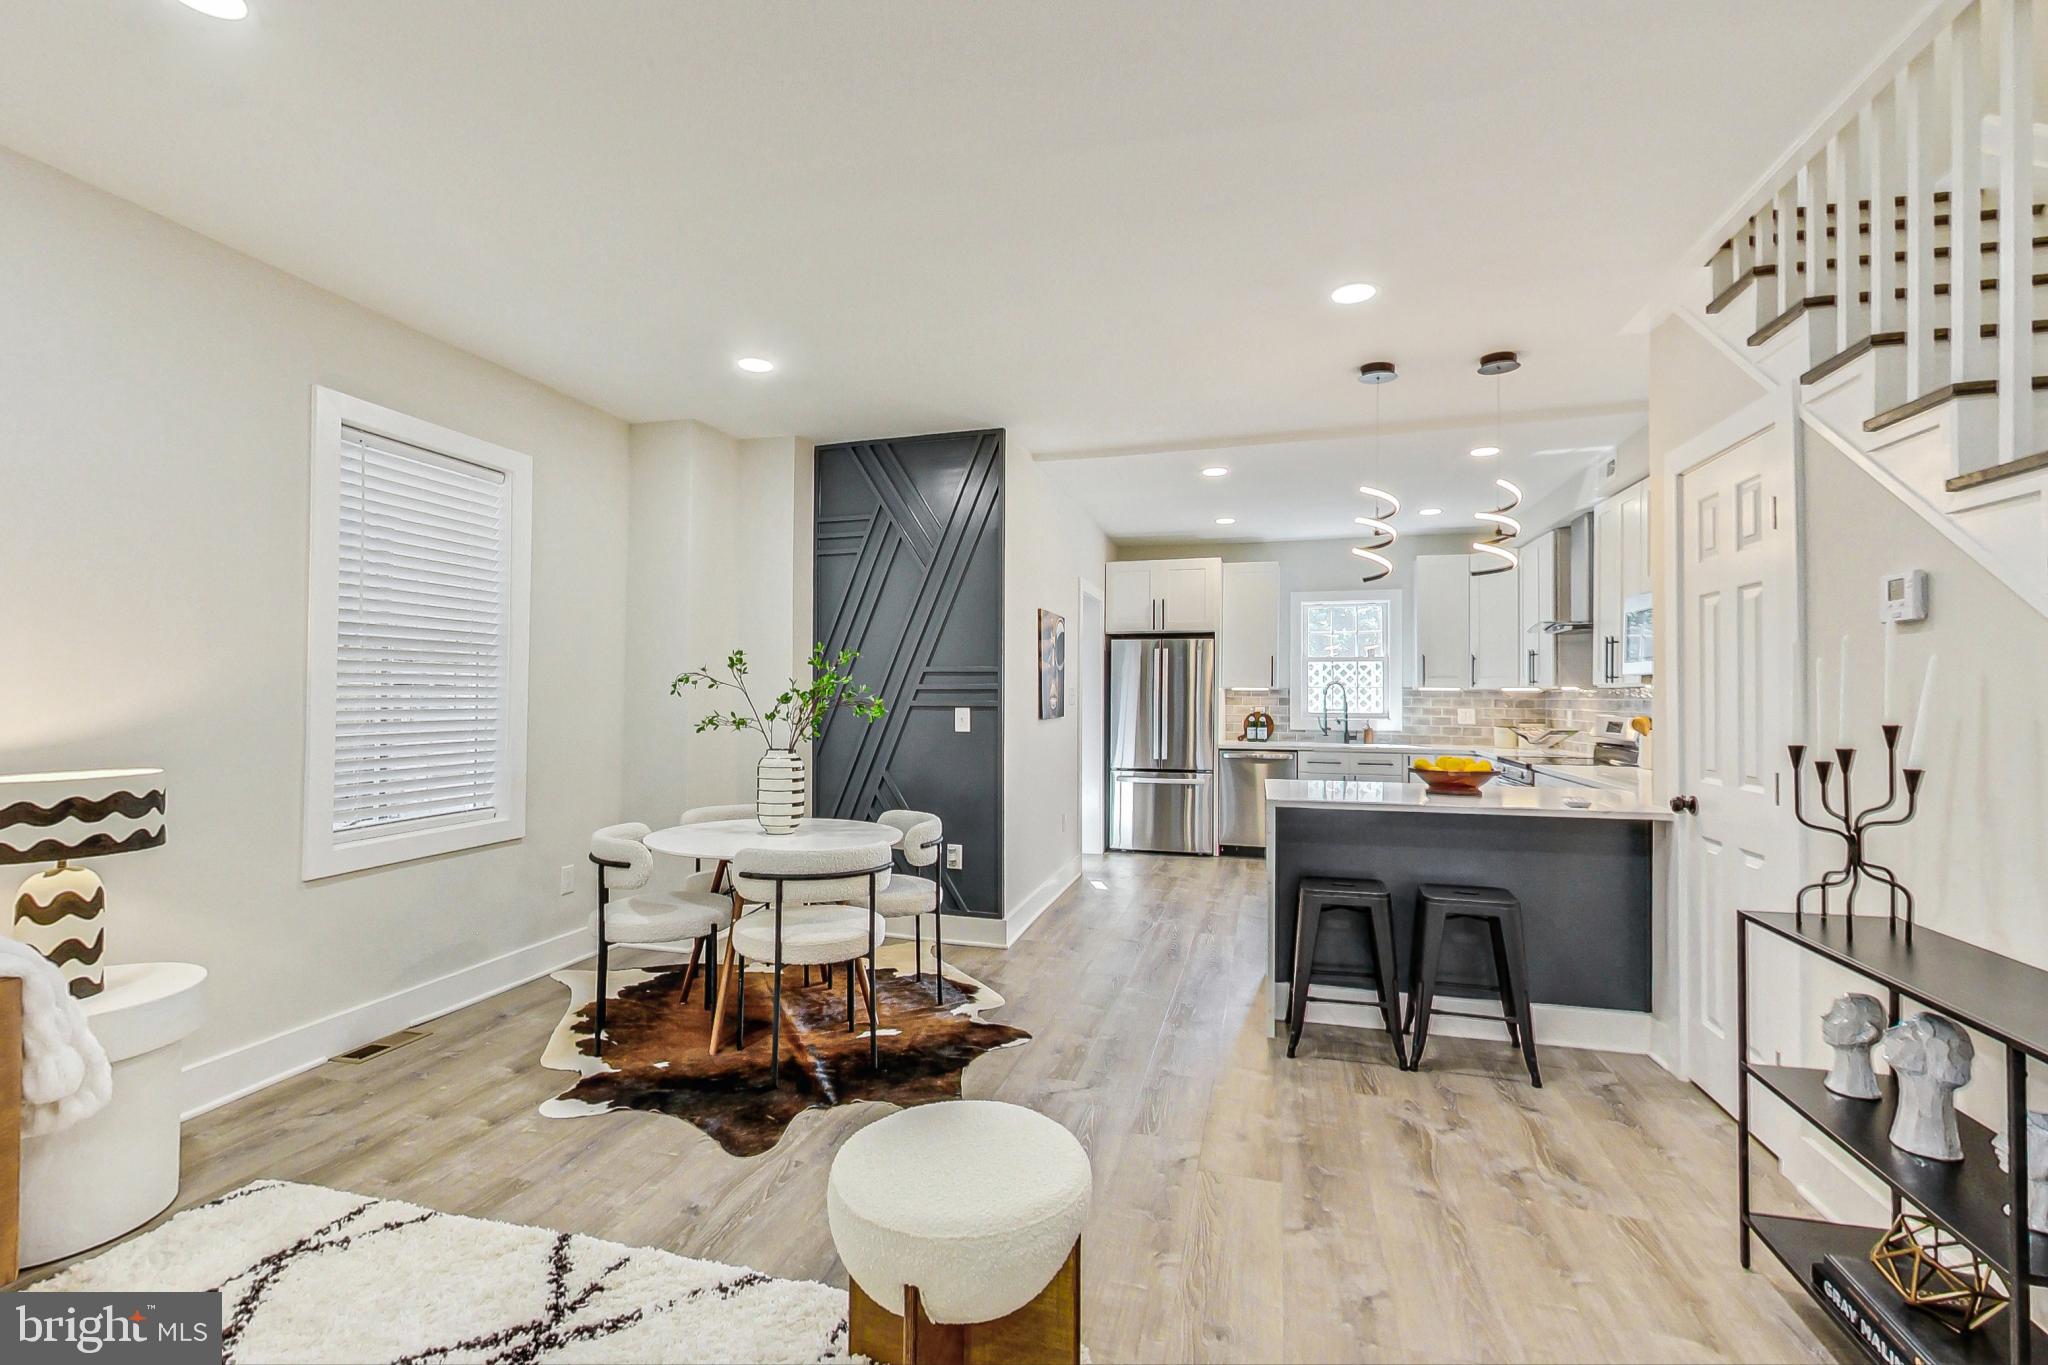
(420,643)
(416,649)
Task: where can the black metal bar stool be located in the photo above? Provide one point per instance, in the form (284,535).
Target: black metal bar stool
(1363,896)
(1436,903)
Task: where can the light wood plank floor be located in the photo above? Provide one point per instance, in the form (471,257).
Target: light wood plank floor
(1247,1207)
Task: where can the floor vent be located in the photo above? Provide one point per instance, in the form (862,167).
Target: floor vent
(380,1046)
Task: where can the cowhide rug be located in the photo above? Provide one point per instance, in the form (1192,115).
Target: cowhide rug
(656,1054)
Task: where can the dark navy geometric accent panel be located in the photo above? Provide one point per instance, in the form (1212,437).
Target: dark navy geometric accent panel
(909,571)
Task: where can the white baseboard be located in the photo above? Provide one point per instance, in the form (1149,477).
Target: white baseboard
(1556,1025)
(1042,898)
(230,1075)
(979,931)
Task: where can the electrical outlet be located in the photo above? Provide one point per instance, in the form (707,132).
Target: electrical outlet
(963,719)
(568,879)
(955,857)
(1467,716)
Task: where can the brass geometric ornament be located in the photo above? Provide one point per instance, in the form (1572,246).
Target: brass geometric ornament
(1934,1271)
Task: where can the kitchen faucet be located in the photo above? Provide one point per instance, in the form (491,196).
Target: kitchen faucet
(1345,713)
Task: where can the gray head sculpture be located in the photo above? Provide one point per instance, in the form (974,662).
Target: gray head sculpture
(1852,1026)
(2037,1168)
(1931,1058)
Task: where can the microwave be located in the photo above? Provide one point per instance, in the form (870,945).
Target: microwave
(1638,637)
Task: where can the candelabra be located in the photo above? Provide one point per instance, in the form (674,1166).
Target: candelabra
(1852,826)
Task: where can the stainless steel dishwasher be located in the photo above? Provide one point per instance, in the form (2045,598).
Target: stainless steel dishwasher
(1243,814)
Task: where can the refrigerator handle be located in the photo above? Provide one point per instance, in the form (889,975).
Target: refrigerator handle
(1159,702)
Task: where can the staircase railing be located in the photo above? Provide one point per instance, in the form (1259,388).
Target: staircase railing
(1913,198)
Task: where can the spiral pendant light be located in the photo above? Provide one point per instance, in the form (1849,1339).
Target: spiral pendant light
(1385,505)
(1503,527)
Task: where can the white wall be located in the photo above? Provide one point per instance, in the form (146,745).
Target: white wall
(1049,547)
(155,399)
(719,559)
(1631,465)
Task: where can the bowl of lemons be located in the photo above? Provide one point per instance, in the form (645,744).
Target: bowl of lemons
(1452,775)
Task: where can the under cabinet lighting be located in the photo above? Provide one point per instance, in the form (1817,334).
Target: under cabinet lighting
(219,9)
(1226,521)
(1214,471)
(1484,452)
(1430,512)
(1352,293)
(753,364)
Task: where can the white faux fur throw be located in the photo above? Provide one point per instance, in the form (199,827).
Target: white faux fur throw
(64,1071)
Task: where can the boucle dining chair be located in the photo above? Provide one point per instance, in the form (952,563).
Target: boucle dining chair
(658,920)
(924,845)
(812,906)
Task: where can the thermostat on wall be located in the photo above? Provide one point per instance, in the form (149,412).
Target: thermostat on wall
(1905,596)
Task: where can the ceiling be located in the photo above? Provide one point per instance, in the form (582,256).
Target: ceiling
(1100,225)
(1307,489)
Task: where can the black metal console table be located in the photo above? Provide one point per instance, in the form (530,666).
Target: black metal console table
(1998,997)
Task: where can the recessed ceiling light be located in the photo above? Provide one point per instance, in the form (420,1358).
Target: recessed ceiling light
(1430,512)
(219,9)
(753,364)
(1484,452)
(1226,521)
(1352,293)
(1214,471)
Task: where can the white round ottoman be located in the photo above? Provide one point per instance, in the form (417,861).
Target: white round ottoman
(960,1214)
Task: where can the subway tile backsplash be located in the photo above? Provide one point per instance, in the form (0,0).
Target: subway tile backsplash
(1431,717)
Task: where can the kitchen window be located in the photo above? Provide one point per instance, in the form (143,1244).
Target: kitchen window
(417,640)
(1352,640)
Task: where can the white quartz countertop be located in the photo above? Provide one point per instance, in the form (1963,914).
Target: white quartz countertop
(1589,803)
(1290,746)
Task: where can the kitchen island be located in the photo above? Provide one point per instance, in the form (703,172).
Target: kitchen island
(1586,865)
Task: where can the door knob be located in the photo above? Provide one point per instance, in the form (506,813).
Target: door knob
(1687,805)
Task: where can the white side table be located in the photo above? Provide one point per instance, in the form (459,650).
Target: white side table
(118,1169)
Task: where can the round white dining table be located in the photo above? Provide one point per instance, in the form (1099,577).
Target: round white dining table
(724,838)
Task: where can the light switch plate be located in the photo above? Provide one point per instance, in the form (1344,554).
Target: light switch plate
(963,719)
(568,879)
(1467,716)
(955,857)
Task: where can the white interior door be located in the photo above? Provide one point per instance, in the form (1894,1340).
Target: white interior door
(1737,637)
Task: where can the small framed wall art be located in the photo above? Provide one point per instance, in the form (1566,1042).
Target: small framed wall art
(1052,665)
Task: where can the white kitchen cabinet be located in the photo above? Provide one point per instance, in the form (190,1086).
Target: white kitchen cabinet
(1621,574)
(1498,656)
(1537,589)
(1128,601)
(1180,595)
(1250,646)
(1443,621)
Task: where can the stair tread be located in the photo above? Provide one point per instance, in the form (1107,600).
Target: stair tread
(1786,318)
(1977,478)
(1941,289)
(1964,388)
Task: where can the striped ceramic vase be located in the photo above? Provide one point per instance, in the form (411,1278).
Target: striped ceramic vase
(61,914)
(781,791)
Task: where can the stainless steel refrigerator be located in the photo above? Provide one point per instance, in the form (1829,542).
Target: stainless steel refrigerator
(1162,743)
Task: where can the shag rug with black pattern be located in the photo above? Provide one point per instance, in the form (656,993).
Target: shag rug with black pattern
(313,1274)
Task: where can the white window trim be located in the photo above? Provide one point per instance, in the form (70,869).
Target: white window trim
(1397,656)
(322,854)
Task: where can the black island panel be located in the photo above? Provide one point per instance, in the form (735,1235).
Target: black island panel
(1584,885)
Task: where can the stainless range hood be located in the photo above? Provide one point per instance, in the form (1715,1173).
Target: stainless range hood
(1571,561)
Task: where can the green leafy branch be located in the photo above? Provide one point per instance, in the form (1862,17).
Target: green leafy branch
(801,710)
